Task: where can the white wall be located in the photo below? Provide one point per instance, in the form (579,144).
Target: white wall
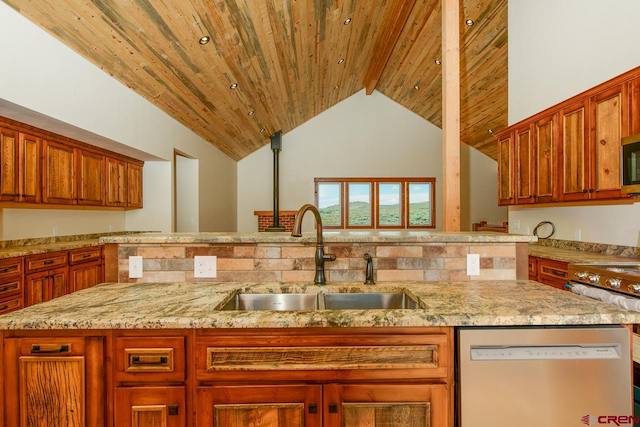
(186,194)
(46,76)
(557,49)
(363,136)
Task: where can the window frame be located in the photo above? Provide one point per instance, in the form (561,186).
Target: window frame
(375,211)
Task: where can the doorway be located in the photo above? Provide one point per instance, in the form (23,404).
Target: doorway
(186,213)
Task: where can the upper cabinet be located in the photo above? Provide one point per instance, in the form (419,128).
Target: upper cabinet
(571,152)
(41,167)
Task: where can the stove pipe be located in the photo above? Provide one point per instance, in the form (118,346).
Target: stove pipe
(276,146)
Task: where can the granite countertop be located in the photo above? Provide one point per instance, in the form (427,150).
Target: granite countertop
(18,251)
(330,236)
(576,256)
(195,305)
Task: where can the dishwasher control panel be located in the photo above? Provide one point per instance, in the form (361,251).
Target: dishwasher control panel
(570,352)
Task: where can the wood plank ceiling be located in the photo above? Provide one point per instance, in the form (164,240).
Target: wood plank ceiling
(290,59)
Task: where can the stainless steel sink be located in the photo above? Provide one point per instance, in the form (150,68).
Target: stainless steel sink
(373,300)
(277,302)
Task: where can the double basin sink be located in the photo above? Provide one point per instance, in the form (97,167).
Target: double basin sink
(329,301)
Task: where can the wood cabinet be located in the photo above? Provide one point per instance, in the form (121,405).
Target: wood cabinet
(37,166)
(571,152)
(533,268)
(549,272)
(54,382)
(59,181)
(46,285)
(506,190)
(150,407)
(116,182)
(91,181)
(9,171)
(260,406)
(525,165)
(85,276)
(378,405)
(134,180)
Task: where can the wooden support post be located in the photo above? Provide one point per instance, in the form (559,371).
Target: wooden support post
(451,114)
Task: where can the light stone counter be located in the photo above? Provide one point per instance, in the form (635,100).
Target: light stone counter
(330,236)
(195,305)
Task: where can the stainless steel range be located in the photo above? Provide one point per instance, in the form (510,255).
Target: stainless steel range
(621,278)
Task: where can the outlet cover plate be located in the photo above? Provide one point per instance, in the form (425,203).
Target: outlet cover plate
(205,267)
(473,264)
(135,267)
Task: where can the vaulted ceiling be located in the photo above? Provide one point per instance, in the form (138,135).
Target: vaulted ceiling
(290,59)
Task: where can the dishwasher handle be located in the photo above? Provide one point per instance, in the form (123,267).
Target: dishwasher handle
(542,352)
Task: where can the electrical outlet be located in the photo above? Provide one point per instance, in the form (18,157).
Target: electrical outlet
(110,228)
(135,267)
(578,235)
(191,221)
(205,266)
(516,224)
(473,264)
(55,231)
(527,230)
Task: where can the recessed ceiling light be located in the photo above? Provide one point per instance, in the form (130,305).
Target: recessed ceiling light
(341,61)
(233,86)
(438,62)
(262,130)
(251,113)
(469,22)
(347,21)
(336,87)
(490,130)
(416,87)
(204,40)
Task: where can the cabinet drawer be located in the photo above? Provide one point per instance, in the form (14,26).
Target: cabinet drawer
(11,267)
(150,359)
(51,347)
(78,256)
(46,261)
(12,286)
(326,358)
(553,271)
(11,304)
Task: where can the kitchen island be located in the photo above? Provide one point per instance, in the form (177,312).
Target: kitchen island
(139,354)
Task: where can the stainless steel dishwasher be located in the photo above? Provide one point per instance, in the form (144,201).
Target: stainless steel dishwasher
(551,377)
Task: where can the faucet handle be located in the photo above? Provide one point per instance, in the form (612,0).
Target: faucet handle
(329,257)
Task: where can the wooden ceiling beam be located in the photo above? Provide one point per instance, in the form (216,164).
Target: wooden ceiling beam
(398,16)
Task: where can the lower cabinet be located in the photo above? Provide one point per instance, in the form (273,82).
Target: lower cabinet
(54,382)
(150,407)
(259,406)
(549,272)
(46,285)
(84,276)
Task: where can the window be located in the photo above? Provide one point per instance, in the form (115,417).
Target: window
(376,203)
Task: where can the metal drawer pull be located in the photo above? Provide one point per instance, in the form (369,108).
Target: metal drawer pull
(173,409)
(313,408)
(149,360)
(50,348)
(88,255)
(4,307)
(49,261)
(333,408)
(5,269)
(7,288)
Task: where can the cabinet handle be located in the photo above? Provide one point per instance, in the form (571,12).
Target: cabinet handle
(49,261)
(6,288)
(173,409)
(50,348)
(86,255)
(4,307)
(592,191)
(313,408)
(4,269)
(585,190)
(148,360)
(333,408)
(24,195)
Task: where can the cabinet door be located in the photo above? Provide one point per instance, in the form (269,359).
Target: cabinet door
(90,179)
(134,186)
(52,391)
(524,166)
(116,182)
(259,406)
(9,165)
(30,168)
(505,171)
(574,153)
(36,286)
(545,147)
(84,276)
(381,405)
(533,268)
(634,107)
(150,407)
(59,174)
(59,282)
(609,118)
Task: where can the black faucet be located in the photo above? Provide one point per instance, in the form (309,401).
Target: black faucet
(369,279)
(321,257)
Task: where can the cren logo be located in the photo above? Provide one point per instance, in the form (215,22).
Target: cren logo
(589,420)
